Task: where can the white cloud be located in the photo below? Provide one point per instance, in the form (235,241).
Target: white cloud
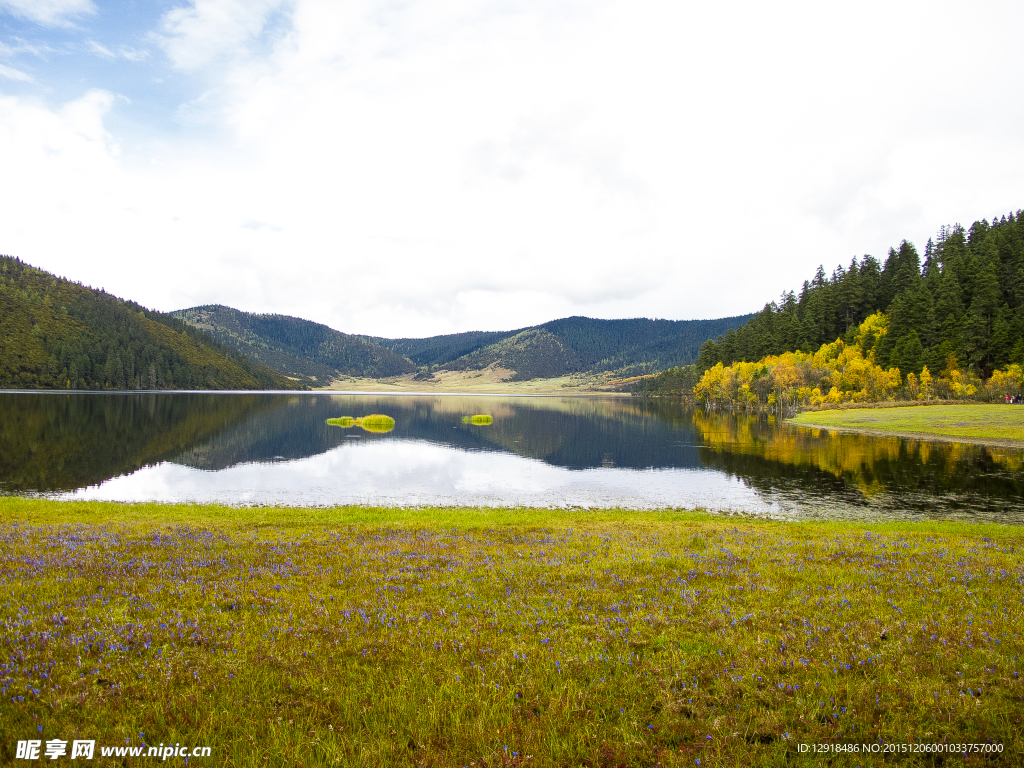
(424,167)
(101,50)
(133,54)
(84,116)
(206,30)
(129,54)
(49,12)
(258,225)
(8,51)
(14,74)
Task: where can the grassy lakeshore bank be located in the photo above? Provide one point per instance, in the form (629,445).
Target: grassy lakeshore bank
(491,381)
(361,636)
(994,424)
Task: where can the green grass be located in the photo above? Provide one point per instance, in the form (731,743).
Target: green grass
(992,422)
(358,636)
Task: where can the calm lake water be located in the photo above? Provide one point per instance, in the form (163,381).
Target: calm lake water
(536,451)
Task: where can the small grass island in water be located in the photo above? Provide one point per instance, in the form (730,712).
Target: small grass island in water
(479,420)
(375,422)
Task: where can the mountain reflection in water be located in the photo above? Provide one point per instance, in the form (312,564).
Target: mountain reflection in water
(550,451)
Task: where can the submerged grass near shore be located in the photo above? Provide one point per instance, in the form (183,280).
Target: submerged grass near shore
(481,637)
(985,422)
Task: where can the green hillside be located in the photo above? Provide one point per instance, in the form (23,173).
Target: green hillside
(533,354)
(311,352)
(61,335)
(638,345)
(437,350)
(569,345)
(583,344)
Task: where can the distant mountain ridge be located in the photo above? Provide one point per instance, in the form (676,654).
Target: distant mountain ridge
(315,353)
(58,334)
(436,350)
(310,352)
(569,345)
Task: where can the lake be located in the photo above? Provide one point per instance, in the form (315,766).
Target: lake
(278,449)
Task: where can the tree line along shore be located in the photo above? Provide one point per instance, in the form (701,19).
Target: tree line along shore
(950,327)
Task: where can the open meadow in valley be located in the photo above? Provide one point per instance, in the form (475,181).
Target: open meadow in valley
(499,637)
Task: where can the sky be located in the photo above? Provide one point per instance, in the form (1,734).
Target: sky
(410,168)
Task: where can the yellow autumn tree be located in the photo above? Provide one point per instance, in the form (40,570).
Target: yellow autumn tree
(961,384)
(1006,383)
(842,373)
(927,385)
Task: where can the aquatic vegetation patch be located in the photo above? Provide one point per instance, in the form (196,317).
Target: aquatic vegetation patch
(375,422)
(586,644)
(342,421)
(480,420)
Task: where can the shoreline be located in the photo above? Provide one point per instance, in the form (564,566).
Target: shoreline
(42,511)
(935,437)
(897,422)
(995,425)
(319,391)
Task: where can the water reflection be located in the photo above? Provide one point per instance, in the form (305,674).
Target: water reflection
(407,473)
(339,449)
(52,441)
(888,474)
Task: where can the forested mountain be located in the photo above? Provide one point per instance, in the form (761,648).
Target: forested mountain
(317,354)
(58,334)
(641,343)
(965,298)
(569,345)
(299,348)
(437,350)
(533,354)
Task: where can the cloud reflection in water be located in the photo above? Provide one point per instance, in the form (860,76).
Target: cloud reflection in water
(406,473)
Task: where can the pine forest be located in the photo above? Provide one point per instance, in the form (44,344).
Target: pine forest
(946,325)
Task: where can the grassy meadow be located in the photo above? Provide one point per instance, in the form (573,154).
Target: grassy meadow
(476,637)
(985,422)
